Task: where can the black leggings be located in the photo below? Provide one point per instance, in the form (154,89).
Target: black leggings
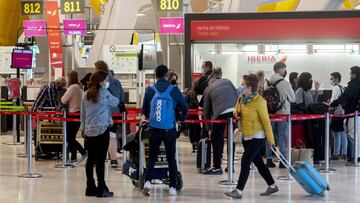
(252,154)
(72,129)
(97,148)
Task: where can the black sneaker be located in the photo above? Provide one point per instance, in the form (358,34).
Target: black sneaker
(114,164)
(214,171)
(270,163)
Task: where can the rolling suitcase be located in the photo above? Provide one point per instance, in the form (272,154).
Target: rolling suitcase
(203,156)
(306,175)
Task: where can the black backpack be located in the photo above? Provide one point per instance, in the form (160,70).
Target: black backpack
(272,97)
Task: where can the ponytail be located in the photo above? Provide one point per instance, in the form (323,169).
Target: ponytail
(94,85)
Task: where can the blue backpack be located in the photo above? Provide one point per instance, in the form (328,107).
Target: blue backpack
(162,111)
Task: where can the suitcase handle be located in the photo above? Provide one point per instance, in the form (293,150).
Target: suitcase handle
(283,159)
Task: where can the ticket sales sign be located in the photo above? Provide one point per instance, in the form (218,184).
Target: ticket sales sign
(32,7)
(75,27)
(172,26)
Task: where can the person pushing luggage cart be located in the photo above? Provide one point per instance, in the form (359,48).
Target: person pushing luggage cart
(160,103)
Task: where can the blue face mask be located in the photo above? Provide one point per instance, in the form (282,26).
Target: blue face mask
(241,89)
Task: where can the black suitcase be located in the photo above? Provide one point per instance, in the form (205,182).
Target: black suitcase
(203,156)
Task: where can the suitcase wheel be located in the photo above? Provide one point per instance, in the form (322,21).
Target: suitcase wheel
(328,188)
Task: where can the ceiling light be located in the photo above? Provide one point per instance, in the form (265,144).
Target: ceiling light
(141,14)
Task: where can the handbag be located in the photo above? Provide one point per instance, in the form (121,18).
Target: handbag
(299,108)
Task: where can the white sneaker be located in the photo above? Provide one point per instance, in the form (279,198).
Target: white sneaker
(172,191)
(147,188)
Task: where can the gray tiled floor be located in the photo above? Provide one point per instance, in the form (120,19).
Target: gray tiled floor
(59,185)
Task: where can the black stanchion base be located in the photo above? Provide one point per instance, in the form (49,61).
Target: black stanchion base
(14,143)
(30,175)
(227,182)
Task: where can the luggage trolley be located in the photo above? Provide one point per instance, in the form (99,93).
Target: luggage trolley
(49,138)
(135,167)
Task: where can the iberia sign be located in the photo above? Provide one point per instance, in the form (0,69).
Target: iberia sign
(172,26)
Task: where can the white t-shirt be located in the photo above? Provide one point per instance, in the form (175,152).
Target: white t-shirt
(336,92)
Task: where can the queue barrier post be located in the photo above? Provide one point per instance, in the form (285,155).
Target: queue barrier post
(25,154)
(65,164)
(123,137)
(29,173)
(356,139)
(327,168)
(289,121)
(16,128)
(124,141)
(230,180)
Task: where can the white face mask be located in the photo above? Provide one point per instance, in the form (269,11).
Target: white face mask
(106,85)
(332,82)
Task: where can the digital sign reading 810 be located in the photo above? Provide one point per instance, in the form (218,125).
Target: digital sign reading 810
(170,5)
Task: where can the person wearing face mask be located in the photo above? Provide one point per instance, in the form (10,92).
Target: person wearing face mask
(202,83)
(96,122)
(252,111)
(303,94)
(72,98)
(287,96)
(349,101)
(115,88)
(340,139)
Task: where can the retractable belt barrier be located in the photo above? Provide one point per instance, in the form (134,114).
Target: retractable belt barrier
(62,117)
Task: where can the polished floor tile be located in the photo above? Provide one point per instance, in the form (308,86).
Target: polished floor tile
(68,185)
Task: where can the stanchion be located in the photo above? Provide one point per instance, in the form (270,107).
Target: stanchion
(25,155)
(15,131)
(327,168)
(123,135)
(29,173)
(356,139)
(64,151)
(288,177)
(230,180)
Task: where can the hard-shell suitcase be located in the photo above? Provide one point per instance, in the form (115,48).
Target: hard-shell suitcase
(203,156)
(306,175)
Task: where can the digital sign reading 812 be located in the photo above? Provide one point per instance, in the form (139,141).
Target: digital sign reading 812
(170,5)
(32,7)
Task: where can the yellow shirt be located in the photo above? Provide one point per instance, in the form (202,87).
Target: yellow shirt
(254,118)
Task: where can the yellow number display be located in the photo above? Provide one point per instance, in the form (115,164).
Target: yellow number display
(170,5)
(31,8)
(72,6)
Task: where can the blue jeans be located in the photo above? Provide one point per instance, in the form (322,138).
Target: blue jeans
(340,142)
(280,135)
